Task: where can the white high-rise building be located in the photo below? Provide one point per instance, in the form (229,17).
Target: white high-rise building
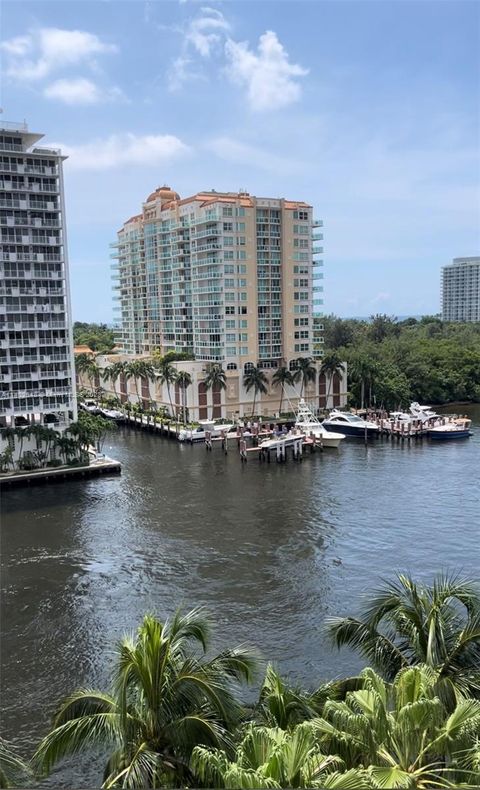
(461,290)
(36,349)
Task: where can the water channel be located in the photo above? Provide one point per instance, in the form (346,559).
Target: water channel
(270,550)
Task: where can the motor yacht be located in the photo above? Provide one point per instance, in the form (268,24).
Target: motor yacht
(458,428)
(350,424)
(205,426)
(308,423)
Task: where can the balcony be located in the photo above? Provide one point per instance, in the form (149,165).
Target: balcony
(317,223)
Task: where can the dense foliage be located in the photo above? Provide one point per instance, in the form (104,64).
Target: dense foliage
(173,718)
(392,362)
(98,337)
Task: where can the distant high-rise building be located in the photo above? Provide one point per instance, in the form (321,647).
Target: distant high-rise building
(36,352)
(229,277)
(461,290)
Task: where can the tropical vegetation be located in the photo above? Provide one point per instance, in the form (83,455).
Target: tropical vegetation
(98,337)
(173,715)
(392,362)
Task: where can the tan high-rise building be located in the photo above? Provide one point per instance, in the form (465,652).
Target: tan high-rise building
(229,277)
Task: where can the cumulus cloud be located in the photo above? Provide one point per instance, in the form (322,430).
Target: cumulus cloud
(201,37)
(269,77)
(124,149)
(81,91)
(37,54)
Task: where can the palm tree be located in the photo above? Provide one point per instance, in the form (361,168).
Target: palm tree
(331,365)
(215,378)
(14,772)
(255,379)
(406,623)
(167,374)
(113,372)
(305,371)
(280,378)
(402,731)
(184,380)
(272,758)
(138,369)
(281,705)
(167,697)
(363,370)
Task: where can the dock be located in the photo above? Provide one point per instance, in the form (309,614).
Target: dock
(104,466)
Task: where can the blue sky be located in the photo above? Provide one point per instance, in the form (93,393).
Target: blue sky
(367,110)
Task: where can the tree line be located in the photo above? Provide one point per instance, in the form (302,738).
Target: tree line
(173,715)
(392,362)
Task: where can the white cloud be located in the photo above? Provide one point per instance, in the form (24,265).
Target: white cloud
(268,75)
(119,150)
(202,37)
(81,91)
(37,54)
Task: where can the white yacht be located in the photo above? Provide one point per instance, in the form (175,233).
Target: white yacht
(309,424)
(205,426)
(350,424)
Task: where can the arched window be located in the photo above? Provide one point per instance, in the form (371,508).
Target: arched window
(232,366)
(248,366)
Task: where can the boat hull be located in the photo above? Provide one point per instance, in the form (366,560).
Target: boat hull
(350,430)
(448,436)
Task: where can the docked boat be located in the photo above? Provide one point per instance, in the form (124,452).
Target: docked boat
(350,424)
(458,428)
(112,414)
(308,423)
(205,427)
(283,440)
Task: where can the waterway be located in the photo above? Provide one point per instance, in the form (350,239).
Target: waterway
(269,550)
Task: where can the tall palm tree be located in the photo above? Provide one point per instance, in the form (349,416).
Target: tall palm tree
(167,374)
(167,697)
(402,731)
(305,371)
(272,758)
(331,365)
(215,377)
(281,378)
(405,623)
(184,380)
(113,372)
(255,379)
(138,369)
(363,370)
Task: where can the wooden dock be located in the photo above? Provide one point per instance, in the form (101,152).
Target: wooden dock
(106,466)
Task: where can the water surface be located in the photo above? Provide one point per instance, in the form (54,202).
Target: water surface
(270,550)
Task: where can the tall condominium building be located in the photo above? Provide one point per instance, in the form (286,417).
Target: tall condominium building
(230,277)
(36,352)
(461,290)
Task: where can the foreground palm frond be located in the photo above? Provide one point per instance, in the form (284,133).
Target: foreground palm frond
(14,772)
(167,698)
(405,623)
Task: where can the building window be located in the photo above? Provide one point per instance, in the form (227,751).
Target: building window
(242,297)
(229,269)
(231,351)
(240,212)
(230,338)
(229,324)
(241,255)
(244,324)
(229,296)
(229,282)
(243,337)
(248,366)
(228,241)
(242,310)
(241,268)
(229,310)
(228,226)
(232,366)
(227,211)
(242,283)
(228,255)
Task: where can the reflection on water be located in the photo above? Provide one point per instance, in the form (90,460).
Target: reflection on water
(270,551)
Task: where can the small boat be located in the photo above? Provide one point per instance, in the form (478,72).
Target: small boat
(350,424)
(282,440)
(112,414)
(89,405)
(206,426)
(308,423)
(458,428)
